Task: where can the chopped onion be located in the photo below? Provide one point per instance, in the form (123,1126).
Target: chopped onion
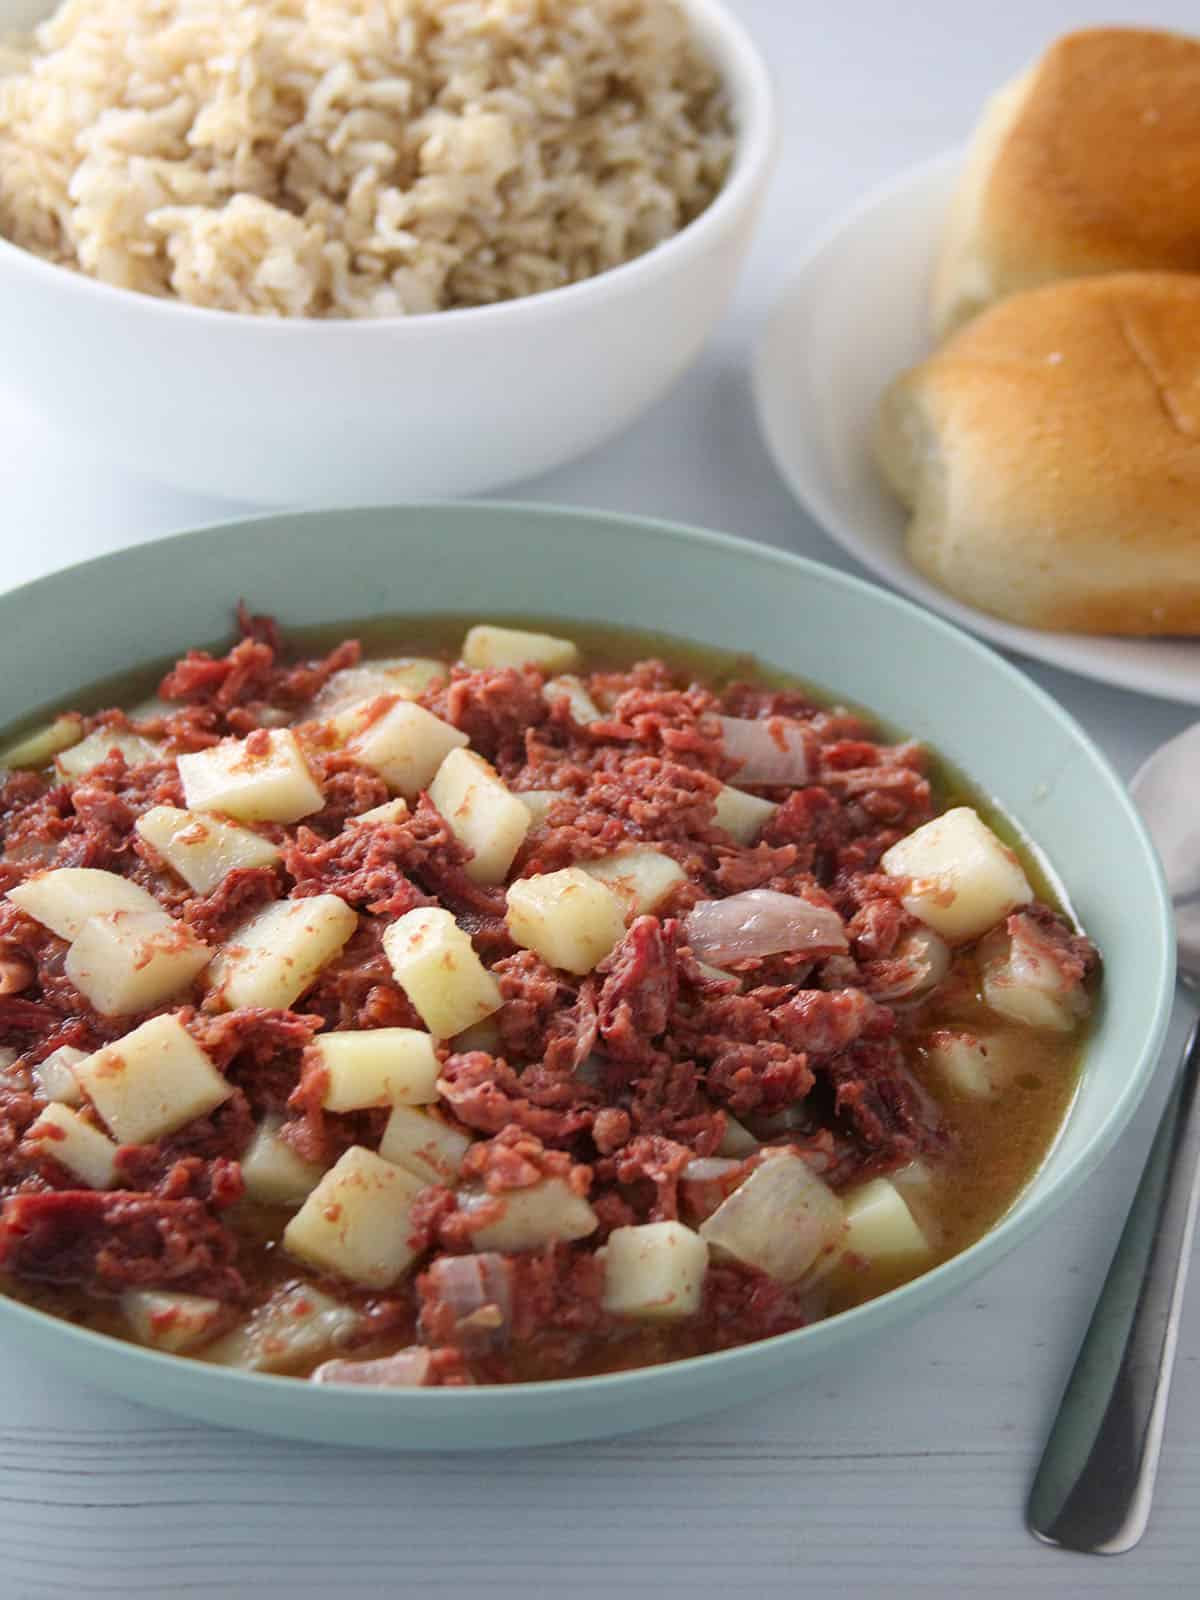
(781,1220)
(296,1324)
(1027,979)
(768,750)
(407,1369)
(478,1290)
(737,1140)
(1036,960)
(761,922)
(796,1118)
(706,1182)
(921,960)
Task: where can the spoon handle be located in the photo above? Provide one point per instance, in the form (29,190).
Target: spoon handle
(1094,1486)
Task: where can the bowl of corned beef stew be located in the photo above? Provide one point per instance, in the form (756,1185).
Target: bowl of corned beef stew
(480,975)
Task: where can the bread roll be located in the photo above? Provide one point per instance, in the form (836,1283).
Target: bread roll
(1050,453)
(1089,162)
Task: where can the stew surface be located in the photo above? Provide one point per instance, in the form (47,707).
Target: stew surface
(518,1008)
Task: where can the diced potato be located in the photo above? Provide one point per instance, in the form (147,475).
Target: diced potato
(487,646)
(782,1220)
(583,708)
(377,1067)
(275,956)
(173,1322)
(390,811)
(533,1217)
(63,899)
(273,1173)
(643,878)
(569,918)
(879,1226)
(919,1188)
(963,878)
(424,1145)
(402,742)
(538,802)
(434,962)
(736,1139)
(202,850)
(407,676)
(483,814)
(972,1065)
(296,1325)
(75,1144)
(356,1222)
(654,1271)
(40,747)
(56,1078)
(1024,978)
(271,785)
(129,961)
(77,760)
(741,814)
(152,1081)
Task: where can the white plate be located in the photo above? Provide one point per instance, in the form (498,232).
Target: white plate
(854,316)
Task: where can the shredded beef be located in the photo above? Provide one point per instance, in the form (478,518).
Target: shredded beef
(485,1093)
(885,1109)
(669,1099)
(357,988)
(742,1305)
(763,1076)
(822,1022)
(117,1240)
(18,1016)
(240,893)
(19,1105)
(494,709)
(533,996)
(363,865)
(348,788)
(249,676)
(638,993)
(557,1288)
(655,1164)
(517,1159)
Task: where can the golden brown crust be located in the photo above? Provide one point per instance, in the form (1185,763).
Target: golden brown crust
(1050,452)
(1096,170)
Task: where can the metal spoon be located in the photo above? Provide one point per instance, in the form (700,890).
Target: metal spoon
(1096,1479)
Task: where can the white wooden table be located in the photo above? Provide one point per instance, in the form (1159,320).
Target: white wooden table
(903,1473)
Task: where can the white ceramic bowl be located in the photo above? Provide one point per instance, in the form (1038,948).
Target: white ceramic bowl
(287,410)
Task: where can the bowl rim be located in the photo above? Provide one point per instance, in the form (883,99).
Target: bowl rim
(744,74)
(846,1326)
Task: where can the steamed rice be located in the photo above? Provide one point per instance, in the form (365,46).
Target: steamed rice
(354,158)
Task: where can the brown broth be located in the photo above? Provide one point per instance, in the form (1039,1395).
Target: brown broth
(997,1145)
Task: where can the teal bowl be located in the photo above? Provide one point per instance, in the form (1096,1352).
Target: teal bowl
(865,645)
